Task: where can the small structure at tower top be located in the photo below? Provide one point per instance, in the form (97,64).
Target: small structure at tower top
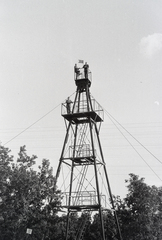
(82,76)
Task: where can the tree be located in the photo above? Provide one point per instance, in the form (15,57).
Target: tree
(109,226)
(29,199)
(139,213)
(5,171)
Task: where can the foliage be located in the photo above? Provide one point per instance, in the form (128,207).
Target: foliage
(29,199)
(140,212)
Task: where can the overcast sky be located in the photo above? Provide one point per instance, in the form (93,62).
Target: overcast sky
(40,41)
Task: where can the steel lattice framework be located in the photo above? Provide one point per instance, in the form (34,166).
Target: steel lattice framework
(81,174)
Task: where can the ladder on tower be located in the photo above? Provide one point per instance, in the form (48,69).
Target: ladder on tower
(81,140)
(83,225)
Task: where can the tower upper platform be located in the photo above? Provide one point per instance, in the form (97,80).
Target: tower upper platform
(79,112)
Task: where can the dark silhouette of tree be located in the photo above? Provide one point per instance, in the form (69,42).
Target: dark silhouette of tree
(28,197)
(140,212)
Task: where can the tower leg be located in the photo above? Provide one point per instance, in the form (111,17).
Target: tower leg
(67,225)
(97,184)
(60,162)
(71,181)
(108,184)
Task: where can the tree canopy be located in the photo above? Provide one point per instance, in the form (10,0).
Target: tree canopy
(29,199)
(140,212)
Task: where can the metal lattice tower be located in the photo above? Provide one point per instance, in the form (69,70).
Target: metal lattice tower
(81,174)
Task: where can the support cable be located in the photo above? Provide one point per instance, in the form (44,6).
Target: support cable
(132,136)
(34,123)
(31,125)
(111,117)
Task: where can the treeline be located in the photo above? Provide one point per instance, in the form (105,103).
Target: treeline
(28,200)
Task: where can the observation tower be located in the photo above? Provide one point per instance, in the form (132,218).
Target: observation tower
(81,174)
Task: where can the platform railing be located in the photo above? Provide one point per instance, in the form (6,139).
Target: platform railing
(81,75)
(81,107)
(81,151)
(83,198)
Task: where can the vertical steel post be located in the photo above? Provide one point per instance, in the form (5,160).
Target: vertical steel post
(97,184)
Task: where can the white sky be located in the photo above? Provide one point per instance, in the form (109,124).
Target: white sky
(40,41)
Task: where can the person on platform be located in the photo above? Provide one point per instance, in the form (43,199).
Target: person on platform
(68,105)
(77,71)
(86,68)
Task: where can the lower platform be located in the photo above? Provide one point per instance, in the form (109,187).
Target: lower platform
(83,207)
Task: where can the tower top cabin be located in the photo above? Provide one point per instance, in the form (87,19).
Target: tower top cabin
(82,76)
